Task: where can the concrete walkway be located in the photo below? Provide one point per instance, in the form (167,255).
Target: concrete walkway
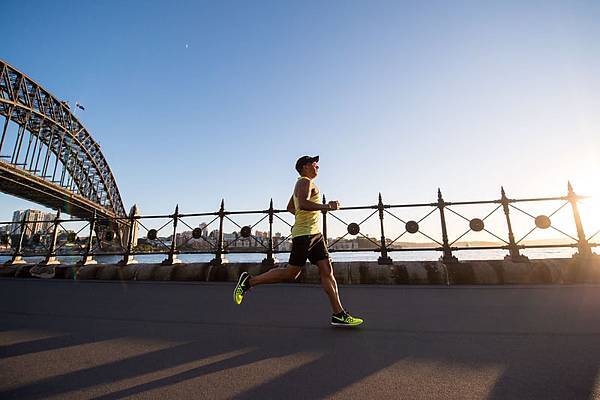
(111,340)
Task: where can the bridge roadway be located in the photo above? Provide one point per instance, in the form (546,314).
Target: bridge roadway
(113,340)
(17,182)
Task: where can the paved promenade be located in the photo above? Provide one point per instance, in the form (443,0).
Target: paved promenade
(114,340)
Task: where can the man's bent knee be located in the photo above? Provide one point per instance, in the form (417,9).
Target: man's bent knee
(325,268)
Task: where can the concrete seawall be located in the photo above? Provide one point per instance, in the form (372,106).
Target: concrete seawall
(494,272)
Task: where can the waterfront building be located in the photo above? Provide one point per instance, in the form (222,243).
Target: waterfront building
(42,221)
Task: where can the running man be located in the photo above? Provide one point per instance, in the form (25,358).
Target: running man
(307,242)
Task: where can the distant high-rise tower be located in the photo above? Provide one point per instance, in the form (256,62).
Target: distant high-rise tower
(38,222)
(203,226)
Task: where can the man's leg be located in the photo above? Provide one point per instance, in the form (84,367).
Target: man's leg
(275,275)
(330,285)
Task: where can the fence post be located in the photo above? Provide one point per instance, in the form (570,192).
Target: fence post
(172,258)
(270,260)
(88,259)
(219,259)
(51,256)
(513,248)
(17,257)
(384,259)
(447,257)
(128,257)
(584,249)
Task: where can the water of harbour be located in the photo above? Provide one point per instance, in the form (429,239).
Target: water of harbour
(464,255)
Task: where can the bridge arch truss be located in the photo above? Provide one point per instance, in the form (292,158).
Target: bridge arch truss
(44,145)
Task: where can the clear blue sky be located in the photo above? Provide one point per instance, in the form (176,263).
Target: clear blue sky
(197,101)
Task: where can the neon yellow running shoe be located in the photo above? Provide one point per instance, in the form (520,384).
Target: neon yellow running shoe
(240,289)
(345,319)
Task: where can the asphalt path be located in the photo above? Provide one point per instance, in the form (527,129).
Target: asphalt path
(114,340)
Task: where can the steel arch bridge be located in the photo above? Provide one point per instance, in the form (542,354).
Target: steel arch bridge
(47,156)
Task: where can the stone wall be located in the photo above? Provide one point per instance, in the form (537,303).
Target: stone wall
(496,272)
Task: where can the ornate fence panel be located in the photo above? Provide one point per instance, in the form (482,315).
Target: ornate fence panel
(441,226)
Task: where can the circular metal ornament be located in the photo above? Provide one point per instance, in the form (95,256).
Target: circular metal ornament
(543,221)
(71,237)
(197,233)
(246,231)
(353,228)
(476,225)
(109,236)
(37,238)
(152,234)
(412,227)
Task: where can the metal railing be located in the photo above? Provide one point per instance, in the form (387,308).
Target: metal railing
(105,243)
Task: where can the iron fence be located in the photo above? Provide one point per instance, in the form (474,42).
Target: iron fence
(101,235)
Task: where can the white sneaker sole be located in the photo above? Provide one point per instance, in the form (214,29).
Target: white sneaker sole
(345,325)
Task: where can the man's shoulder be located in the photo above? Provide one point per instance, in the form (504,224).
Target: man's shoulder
(303,180)
(302,184)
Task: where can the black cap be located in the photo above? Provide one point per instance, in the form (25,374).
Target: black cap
(305,160)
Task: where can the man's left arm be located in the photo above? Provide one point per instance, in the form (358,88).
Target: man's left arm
(290,207)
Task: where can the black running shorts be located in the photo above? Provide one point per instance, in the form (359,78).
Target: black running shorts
(308,246)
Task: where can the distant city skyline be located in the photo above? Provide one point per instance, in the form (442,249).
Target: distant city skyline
(192,103)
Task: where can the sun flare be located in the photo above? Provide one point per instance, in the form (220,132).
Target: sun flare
(589,208)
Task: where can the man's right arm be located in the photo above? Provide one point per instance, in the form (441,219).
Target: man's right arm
(303,194)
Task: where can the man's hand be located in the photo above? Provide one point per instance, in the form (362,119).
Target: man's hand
(334,205)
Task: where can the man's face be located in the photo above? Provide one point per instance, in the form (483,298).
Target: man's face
(312,169)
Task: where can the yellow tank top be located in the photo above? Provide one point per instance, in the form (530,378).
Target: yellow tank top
(307,222)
